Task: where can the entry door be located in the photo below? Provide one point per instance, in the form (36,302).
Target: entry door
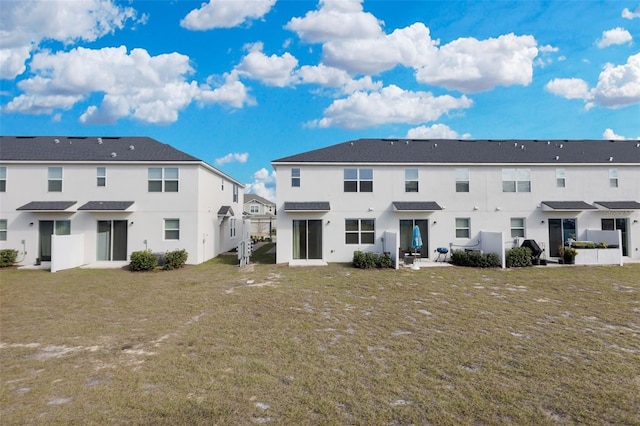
(406,235)
(560,230)
(610,224)
(307,239)
(46,231)
(112,240)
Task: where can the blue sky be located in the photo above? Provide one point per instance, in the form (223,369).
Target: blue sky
(240,83)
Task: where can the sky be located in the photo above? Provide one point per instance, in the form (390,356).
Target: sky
(241,83)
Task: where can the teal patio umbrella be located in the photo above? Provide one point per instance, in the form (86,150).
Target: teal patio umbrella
(416,239)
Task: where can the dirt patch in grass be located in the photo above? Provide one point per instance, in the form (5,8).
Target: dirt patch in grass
(268,344)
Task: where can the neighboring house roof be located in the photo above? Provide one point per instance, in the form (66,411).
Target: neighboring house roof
(103,149)
(106,205)
(619,205)
(47,205)
(253,197)
(512,151)
(305,206)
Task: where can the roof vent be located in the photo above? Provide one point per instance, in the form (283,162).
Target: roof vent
(406,142)
(638,145)
(99,141)
(557,157)
(435,145)
(610,158)
(391,143)
(522,147)
(561,146)
(56,140)
(351,144)
(131,147)
(515,144)
(113,155)
(548,142)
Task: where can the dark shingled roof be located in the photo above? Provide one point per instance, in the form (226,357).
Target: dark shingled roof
(416,205)
(106,205)
(569,205)
(103,149)
(47,205)
(473,151)
(307,206)
(619,205)
(225,211)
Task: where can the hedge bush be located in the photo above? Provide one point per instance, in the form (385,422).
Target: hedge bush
(364,260)
(8,257)
(143,260)
(518,257)
(175,259)
(475,259)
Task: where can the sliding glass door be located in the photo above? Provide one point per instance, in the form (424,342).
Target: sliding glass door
(307,239)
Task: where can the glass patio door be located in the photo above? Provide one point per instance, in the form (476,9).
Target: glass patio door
(560,230)
(111,240)
(406,235)
(307,239)
(610,224)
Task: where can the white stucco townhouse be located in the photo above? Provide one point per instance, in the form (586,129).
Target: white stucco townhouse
(490,195)
(262,214)
(81,200)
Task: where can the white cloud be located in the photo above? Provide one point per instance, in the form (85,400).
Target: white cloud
(389,105)
(232,157)
(618,86)
(436,131)
(152,89)
(225,13)
(334,77)
(336,20)
(610,135)
(26,23)
(230,91)
(271,70)
(626,13)
(615,36)
(569,88)
(263,184)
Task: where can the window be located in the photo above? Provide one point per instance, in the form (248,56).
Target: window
(163,179)
(232,227)
(55,179)
(358,180)
(3,179)
(235,193)
(410,180)
(222,184)
(517,227)
(463,227)
(101,173)
(516,180)
(3,229)
(63,227)
(295,178)
(462,180)
(359,231)
(172,229)
(613,178)
(560,178)
(254,209)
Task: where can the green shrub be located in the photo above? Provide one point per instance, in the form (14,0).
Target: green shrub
(143,260)
(175,259)
(8,257)
(475,259)
(364,260)
(518,257)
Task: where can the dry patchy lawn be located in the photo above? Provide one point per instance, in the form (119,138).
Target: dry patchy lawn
(269,344)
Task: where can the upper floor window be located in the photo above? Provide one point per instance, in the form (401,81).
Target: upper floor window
(360,231)
(516,180)
(3,229)
(560,178)
(222,184)
(463,227)
(3,179)
(517,227)
(101,173)
(163,179)
(235,193)
(462,180)
(295,177)
(254,209)
(55,179)
(613,178)
(232,227)
(172,229)
(358,180)
(410,180)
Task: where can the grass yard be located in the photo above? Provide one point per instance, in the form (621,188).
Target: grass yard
(270,344)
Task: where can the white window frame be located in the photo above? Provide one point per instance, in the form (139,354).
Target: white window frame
(519,178)
(463,229)
(235,193)
(561,178)
(254,209)
(3,229)
(518,227)
(232,227)
(164,179)
(463,183)
(411,180)
(171,225)
(295,177)
(101,176)
(51,180)
(613,178)
(3,179)
(360,177)
(363,228)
